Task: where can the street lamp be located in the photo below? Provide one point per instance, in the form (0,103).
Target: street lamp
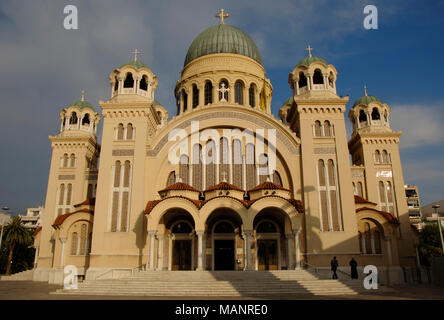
(436,207)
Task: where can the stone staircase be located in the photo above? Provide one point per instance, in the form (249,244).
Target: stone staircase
(20,276)
(279,283)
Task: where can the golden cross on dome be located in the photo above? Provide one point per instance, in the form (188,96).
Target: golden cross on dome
(309,50)
(136,52)
(221,15)
(83,95)
(365,90)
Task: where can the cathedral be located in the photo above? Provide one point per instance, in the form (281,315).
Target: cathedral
(224,184)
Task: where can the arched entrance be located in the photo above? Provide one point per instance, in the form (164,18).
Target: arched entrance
(268,245)
(182,246)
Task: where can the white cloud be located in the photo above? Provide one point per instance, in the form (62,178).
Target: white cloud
(421,125)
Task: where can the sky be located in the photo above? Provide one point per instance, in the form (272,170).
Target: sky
(44,67)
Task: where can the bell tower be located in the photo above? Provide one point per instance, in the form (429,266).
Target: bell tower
(375,147)
(73,170)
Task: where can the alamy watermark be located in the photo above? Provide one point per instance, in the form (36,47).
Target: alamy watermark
(371,20)
(70,279)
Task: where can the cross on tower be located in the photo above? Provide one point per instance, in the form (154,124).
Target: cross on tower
(224,176)
(221,15)
(223,90)
(83,95)
(309,50)
(365,90)
(136,52)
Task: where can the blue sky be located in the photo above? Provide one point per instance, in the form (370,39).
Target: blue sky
(44,67)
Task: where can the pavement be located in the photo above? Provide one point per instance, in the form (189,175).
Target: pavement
(29,290)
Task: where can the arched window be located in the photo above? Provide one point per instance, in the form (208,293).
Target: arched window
(72,160)
(390,204)
(277,178)
(302,80)
(74,243)
(377,156)
(327,129)
(197,166)
(195,96)
(73,118)
(251,166)
(143,83)
(68,196)
(182,227)
(375,114)
(224,227)
(223,94)
(237,163)
(333,196)
(355,192)
(120,131)
(266,227)
(263,168)
(85,120)
(120,196)
(385,156)
(377,241)
(82,250)
(129,81)
(317,128)
(318,78)
(239,90)
(61,194)
(171,178)
(184,169)
(382,197)
(210,166)
(323,195)
(362,116)
(208,92)
(368,239)
(252,95)
(224,156)
(129,132)
(65,160)
(185,100)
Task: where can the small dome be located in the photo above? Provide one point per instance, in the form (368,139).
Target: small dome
(82,104)
(222,38)
(309,60)
(137,64)
(366,100)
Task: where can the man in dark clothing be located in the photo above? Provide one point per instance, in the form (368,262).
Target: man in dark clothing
(334,266)
(354,269)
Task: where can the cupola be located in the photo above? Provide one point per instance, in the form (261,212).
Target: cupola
(79,117)
(133,78)
(313,74)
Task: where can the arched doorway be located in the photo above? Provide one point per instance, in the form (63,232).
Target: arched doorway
(224,244)
(268,245)
(182,246)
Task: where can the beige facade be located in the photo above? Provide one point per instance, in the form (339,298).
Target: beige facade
(152,205)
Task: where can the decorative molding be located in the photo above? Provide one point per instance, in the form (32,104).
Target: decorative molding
(230,115)
(384,174)
(325,150)
(122,153)
(91,177)
(67,177)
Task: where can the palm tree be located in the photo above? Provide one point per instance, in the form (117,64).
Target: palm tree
(15,233)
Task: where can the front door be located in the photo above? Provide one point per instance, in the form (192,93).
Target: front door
(267,255)
(224,254)
(181,255)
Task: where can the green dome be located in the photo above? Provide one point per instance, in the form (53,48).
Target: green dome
(309,60)
(136,64)
(222,38)
(81,104)
(366,100)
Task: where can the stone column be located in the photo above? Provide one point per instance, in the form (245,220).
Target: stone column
(170,251)
(62,252)
(152,234)
(160,239)
(199,250)
(36,256)
(297,263)
(388,241)
(248,247)
(289,252)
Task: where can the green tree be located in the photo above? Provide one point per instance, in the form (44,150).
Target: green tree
(15,235)
(429,244)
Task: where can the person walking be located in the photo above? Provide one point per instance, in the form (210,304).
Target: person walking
(334,266)
(354,269)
